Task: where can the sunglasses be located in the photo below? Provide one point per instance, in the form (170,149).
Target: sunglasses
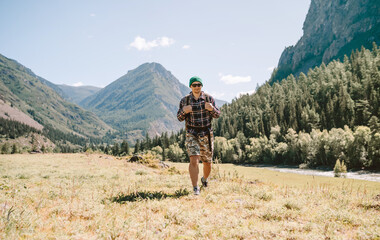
(196,85)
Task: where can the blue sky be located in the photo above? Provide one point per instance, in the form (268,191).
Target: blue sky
(232,45)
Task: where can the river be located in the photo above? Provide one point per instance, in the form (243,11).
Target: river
(362,175)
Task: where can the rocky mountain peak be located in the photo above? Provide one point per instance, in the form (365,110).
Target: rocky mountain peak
(331,30)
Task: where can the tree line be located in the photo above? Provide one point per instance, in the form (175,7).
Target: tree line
(165,146)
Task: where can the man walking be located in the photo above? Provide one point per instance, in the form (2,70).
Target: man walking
(198,109)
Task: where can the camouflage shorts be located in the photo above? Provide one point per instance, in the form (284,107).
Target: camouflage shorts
(199,146)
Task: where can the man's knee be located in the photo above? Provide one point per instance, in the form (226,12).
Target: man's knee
(194,160)
(208,164)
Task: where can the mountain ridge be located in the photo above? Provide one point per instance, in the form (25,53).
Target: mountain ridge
(76,94)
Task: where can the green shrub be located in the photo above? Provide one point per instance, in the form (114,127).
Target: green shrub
(340,168)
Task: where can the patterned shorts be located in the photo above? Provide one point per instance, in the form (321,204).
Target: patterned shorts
(199,146)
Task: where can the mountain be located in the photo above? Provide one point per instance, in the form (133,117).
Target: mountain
(54,87)
(23,91)
(331,30)
(145,100)
(77,94)
(71,93)
(219,102)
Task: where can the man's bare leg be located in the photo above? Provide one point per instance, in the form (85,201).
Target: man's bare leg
(194,169)
(206,169)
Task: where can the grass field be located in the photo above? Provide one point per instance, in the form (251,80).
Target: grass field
(78,196)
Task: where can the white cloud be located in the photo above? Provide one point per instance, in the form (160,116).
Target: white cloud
(244,93)
(186,47)
(141,44)
(165,41)
(78,84)
(92,15)
(229,79)
(270,69)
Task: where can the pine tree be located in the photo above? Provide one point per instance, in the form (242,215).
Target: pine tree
(43,149)
(375,49)
(14,149)
(116,150)
(124,148)
(163,153)
(137,147)
(4,148)
(147,142)
(107,149)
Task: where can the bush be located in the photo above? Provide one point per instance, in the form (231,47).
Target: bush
(175,153)
(5,148)
(339,169)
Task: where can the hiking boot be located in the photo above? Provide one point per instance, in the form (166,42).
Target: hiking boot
(204,182)
(196,190)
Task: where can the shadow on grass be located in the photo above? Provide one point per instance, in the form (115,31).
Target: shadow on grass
(145,195)
(375,206)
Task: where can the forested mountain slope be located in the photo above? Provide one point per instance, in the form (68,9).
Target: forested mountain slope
(332,96)
(21,89)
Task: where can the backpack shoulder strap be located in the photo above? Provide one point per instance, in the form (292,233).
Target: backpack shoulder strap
(207,97)
(187,99)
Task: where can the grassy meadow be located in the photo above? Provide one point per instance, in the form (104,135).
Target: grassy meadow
(93,196)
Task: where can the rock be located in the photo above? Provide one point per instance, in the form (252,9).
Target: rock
(136,158)
(35,152)
(377,197)
(163,165)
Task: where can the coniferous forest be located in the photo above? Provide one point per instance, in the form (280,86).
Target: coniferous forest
(330,113)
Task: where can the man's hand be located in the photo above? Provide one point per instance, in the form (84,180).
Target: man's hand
(209,106)
(187,109)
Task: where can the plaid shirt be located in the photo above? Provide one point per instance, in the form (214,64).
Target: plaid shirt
(199,117)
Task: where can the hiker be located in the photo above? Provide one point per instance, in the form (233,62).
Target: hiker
(198,109)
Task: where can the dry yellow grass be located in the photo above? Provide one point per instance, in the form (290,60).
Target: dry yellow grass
(67,196)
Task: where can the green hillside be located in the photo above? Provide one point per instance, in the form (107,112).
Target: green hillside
(23,90)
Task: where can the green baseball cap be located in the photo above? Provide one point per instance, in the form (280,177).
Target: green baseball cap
(195,79)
